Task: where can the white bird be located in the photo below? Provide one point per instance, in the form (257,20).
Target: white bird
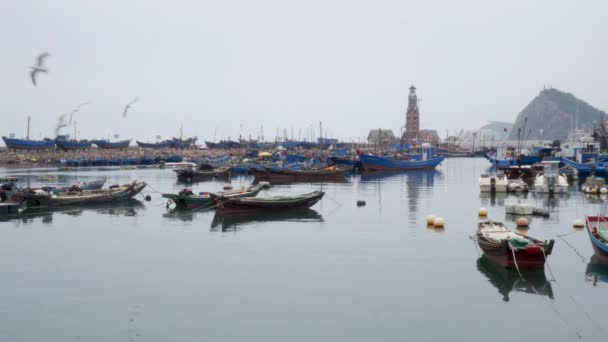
(77,110)
(124,112)
(39,67)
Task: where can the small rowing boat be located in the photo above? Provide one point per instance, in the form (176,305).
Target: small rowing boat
(187,199)
(275,203)
(510,249)
(82,197)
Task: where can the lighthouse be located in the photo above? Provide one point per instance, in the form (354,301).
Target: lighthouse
(412,119)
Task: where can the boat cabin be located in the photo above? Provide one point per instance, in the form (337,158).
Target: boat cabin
(551,168)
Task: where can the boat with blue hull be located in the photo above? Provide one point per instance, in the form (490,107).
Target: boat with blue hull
(598,168)
(525,160)
(25,144)
(73,144)
(597,227)
(112,145)
(426,160)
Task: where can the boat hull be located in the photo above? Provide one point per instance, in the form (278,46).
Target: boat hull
(121,194)
(379,163)
(23,144)
(107,145)
(236,206)
(282,176)
(600,247)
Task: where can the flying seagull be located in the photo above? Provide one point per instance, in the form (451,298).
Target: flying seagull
(124,112)
(77,110)
(39,67)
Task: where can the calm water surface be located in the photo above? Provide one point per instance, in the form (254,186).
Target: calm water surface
(140,272)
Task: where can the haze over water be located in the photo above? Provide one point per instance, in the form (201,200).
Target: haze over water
(140,272)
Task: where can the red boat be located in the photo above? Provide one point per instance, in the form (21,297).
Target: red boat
(510,249)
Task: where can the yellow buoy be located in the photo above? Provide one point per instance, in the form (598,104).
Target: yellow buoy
(522,222)
(483,212)
(439,222)
(579,224)
(430,220)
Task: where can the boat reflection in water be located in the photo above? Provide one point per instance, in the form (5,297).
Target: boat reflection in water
(130,207)
(597,271)
(236,222)
(505,280)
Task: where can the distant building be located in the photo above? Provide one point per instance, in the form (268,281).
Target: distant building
(381,137)
(412,119)
(429,136)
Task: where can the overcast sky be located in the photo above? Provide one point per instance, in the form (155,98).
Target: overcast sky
(216,65)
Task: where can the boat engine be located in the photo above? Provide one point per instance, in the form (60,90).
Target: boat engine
(551,184)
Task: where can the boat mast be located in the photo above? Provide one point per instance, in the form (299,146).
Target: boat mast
(28,127)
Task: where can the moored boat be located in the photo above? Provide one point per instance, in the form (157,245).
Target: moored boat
(66,144)
(597,227)
(94,185)
(510,249)
(191,175)
(82,197)
(275,203)
(112,145)
(550,181)
(494,183)
(305,175)
(426,160)
(186,198)
(26,144)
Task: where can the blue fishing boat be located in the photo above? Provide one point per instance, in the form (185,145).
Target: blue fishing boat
(112,145)
(64,143)
(426,160)
(26,144)
(597,227)
(182,143)
(586,160)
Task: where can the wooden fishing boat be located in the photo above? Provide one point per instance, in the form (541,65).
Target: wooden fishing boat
(190,175)
(114,194)
(510,249)
(186,198)
(276,203)
(597,227)
(284,175)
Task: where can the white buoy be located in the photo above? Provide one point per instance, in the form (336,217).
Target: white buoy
(439,222)
(579,224)
(430,220)
(603,191)
(483,212)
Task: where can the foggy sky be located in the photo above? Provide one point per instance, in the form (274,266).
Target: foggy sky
(216,65)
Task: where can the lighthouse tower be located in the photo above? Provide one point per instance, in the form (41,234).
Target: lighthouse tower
(412,119)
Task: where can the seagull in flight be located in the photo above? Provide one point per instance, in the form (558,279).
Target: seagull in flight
(39,67)
(77,110)
(127,107)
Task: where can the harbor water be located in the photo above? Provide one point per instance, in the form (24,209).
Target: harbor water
(338,272)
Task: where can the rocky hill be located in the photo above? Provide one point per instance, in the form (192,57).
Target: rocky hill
(556,113)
